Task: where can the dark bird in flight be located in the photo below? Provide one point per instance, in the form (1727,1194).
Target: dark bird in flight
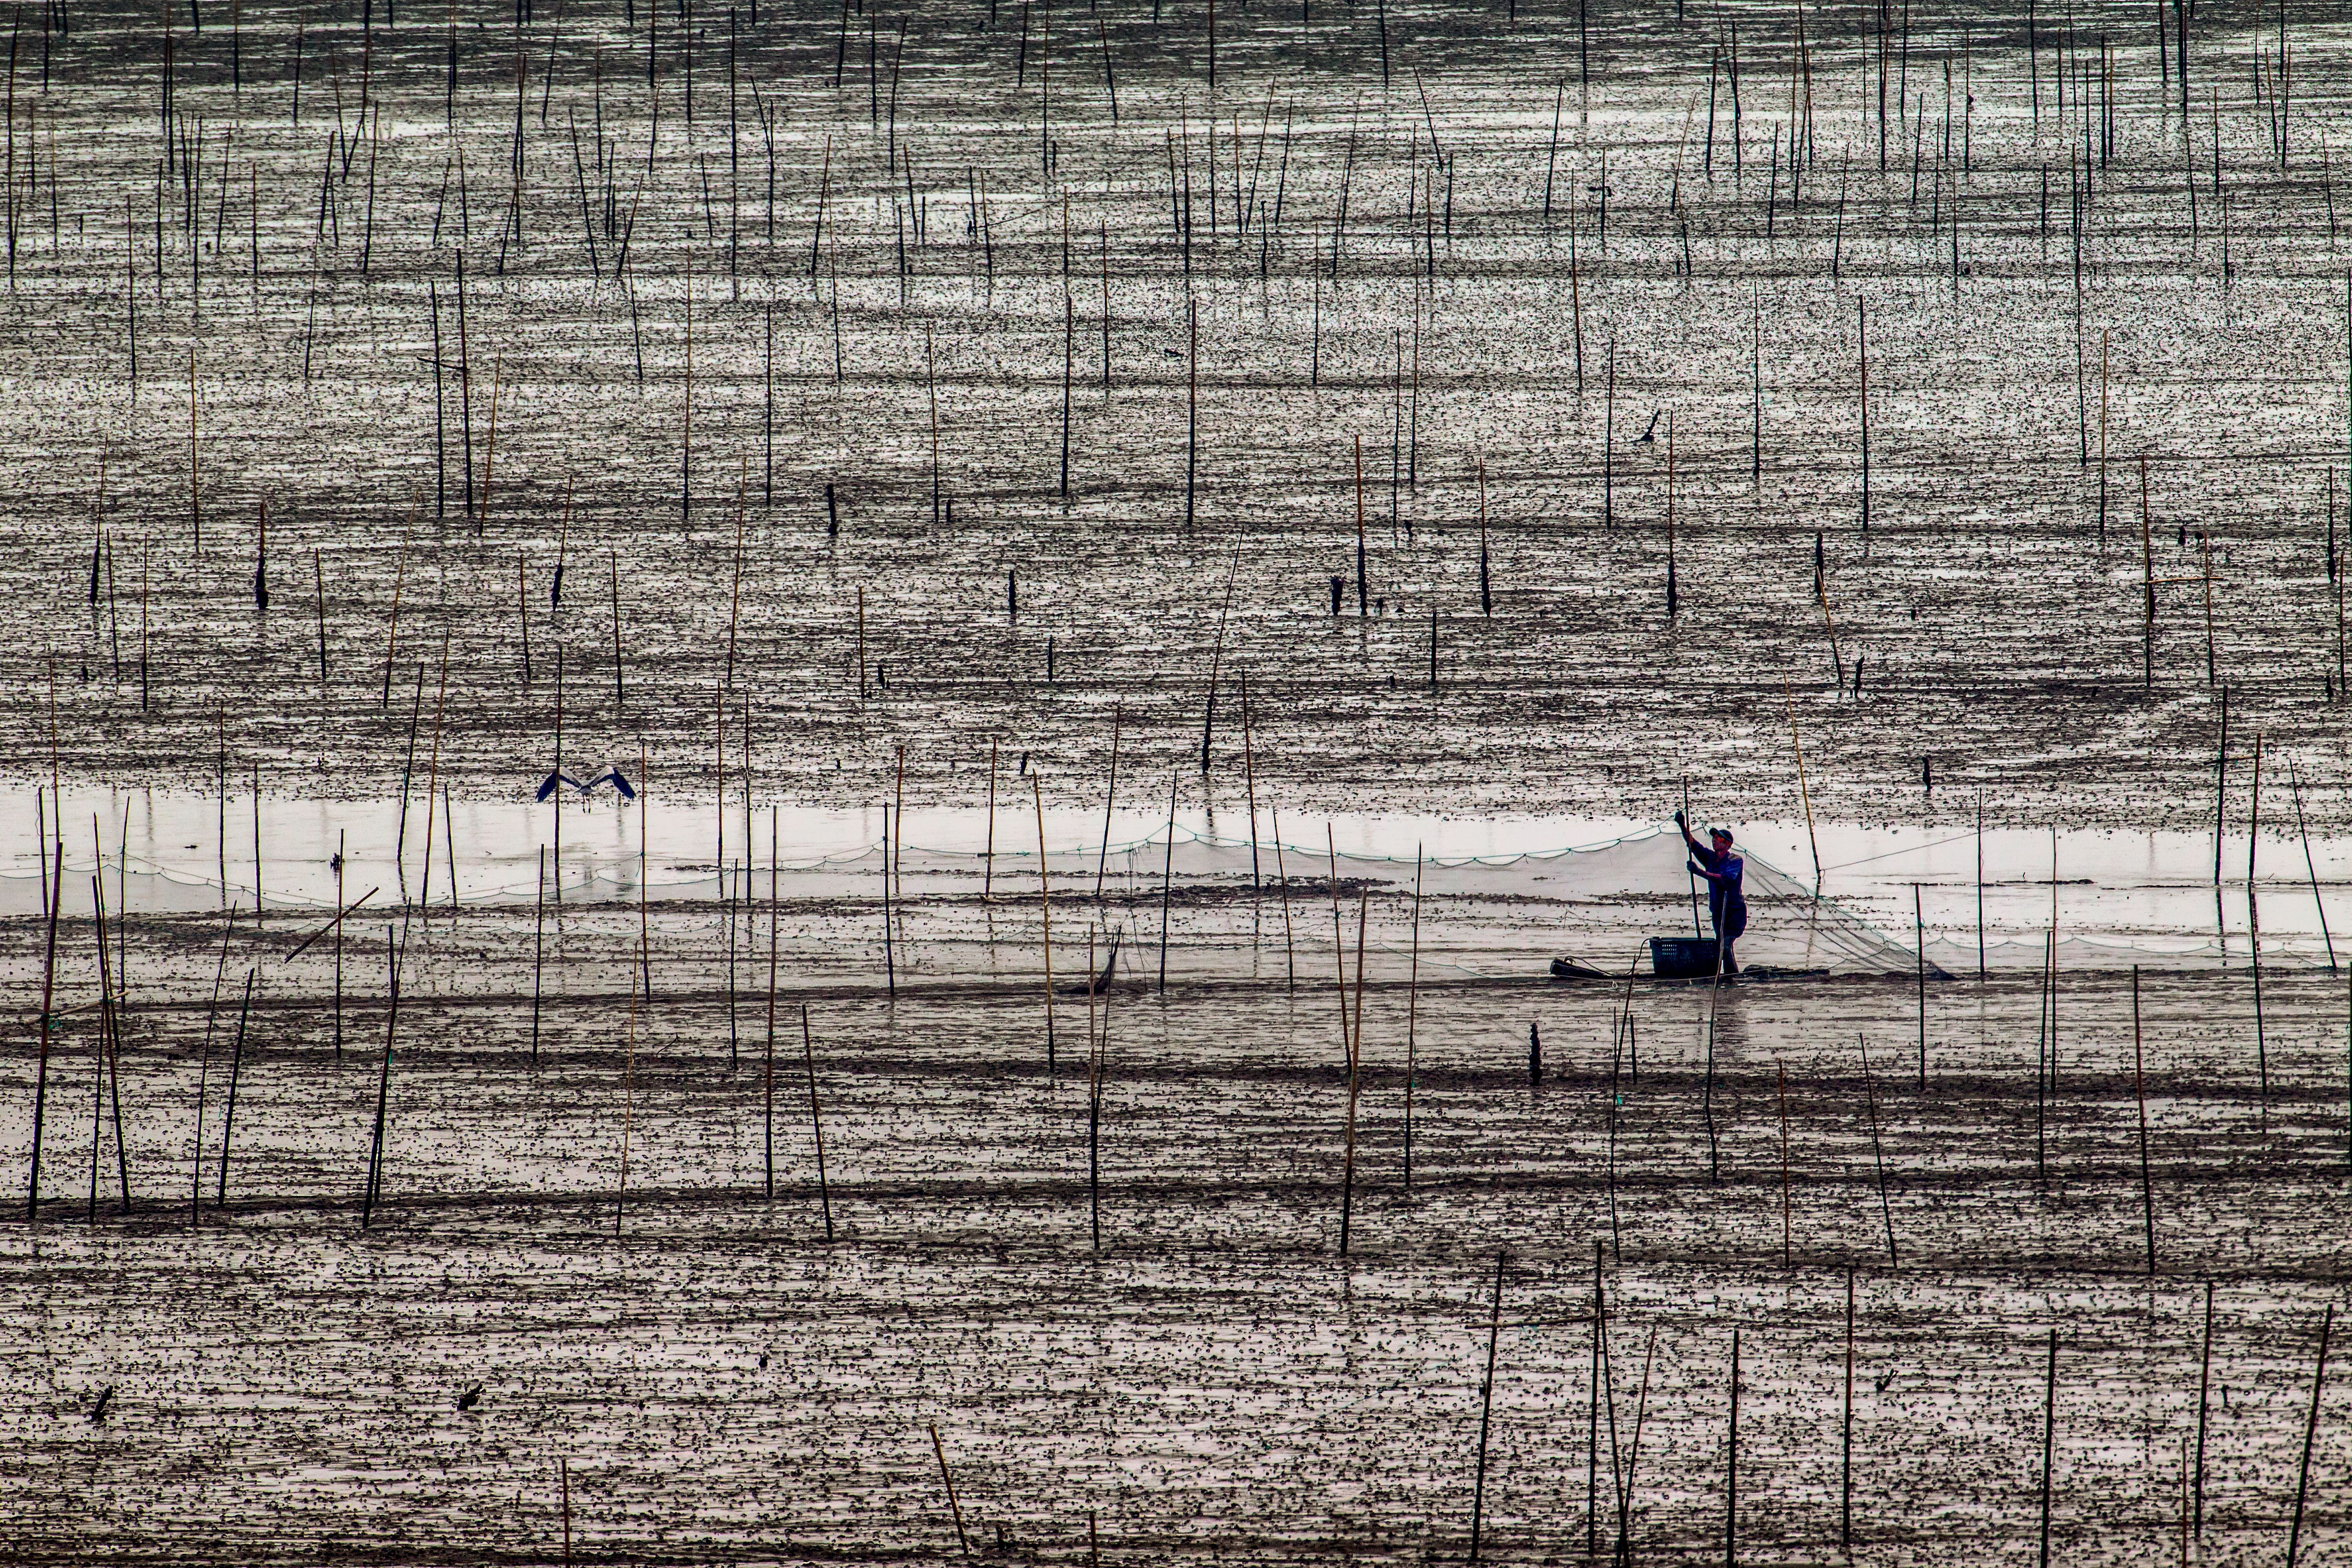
(611,775)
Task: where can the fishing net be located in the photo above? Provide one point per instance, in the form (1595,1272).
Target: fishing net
(1596,905)
(1227,905)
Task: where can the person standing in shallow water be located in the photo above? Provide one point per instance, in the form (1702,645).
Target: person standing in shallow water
(1726,904)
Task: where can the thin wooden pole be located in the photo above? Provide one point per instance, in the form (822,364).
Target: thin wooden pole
(948,1484)
(2204,1400)
(628,1090)
(1167,875)
(2294,786)
(1845,1440)
(1788,1252)
(1110,790)
(2310,1432)
(345,910)
(538,949)
(1731,1467)
(1919,953)
(1804,795)
(1282,879)
(816,1123)
(1352,1043)
(1878,1153)
(2139,1092)
(1094,1051)
(1045,916)
(1411,1010)
(1487,1408)
(768,1082)
(383,1085)
(228,1111)
(204,1071)
(1249,784)
(432,781)
(2049,1429)
(48,988)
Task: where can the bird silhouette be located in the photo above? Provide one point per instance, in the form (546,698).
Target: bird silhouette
(470,1398)
(609,775)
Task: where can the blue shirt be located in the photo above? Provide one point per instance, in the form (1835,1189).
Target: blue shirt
(1724,873)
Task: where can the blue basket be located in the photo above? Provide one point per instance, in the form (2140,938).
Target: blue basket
(1683,957)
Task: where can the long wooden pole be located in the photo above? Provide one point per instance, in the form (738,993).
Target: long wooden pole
(1411,1010)
(767,1085)
(2310,1432)
(1487,1408)
(1045,917)
(384,1086)
(2049,1429)
(948,1485)
(48,988)
(816,1123)
(1110,791)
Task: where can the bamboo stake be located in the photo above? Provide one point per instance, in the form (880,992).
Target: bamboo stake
(2148,578)
(2139,1092)
(1487,1406)
(889,948)
(1787,1253)
(228,1112)
(948,1484)
(1731,1467)
(816,1123)
(1354,1079)
(2310,1432)
(383,1085)
(988,855)
(2294,786)
(1803,796)
(1249,789)
(1282,877)
(1845,1440)
(204,1069)
(1338,947)
(111,1047)
(1045,917)
(47,1023)
(768,1083)
(1878,1153)
(1411,1010)
(2204,1396)
(1919,955)
(538,949)
(1098,1061)
(1167,875)
(628,1102)
(1110,790)
(2049,1425)
(432,782)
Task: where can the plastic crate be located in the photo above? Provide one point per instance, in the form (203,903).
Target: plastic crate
(1683,957)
